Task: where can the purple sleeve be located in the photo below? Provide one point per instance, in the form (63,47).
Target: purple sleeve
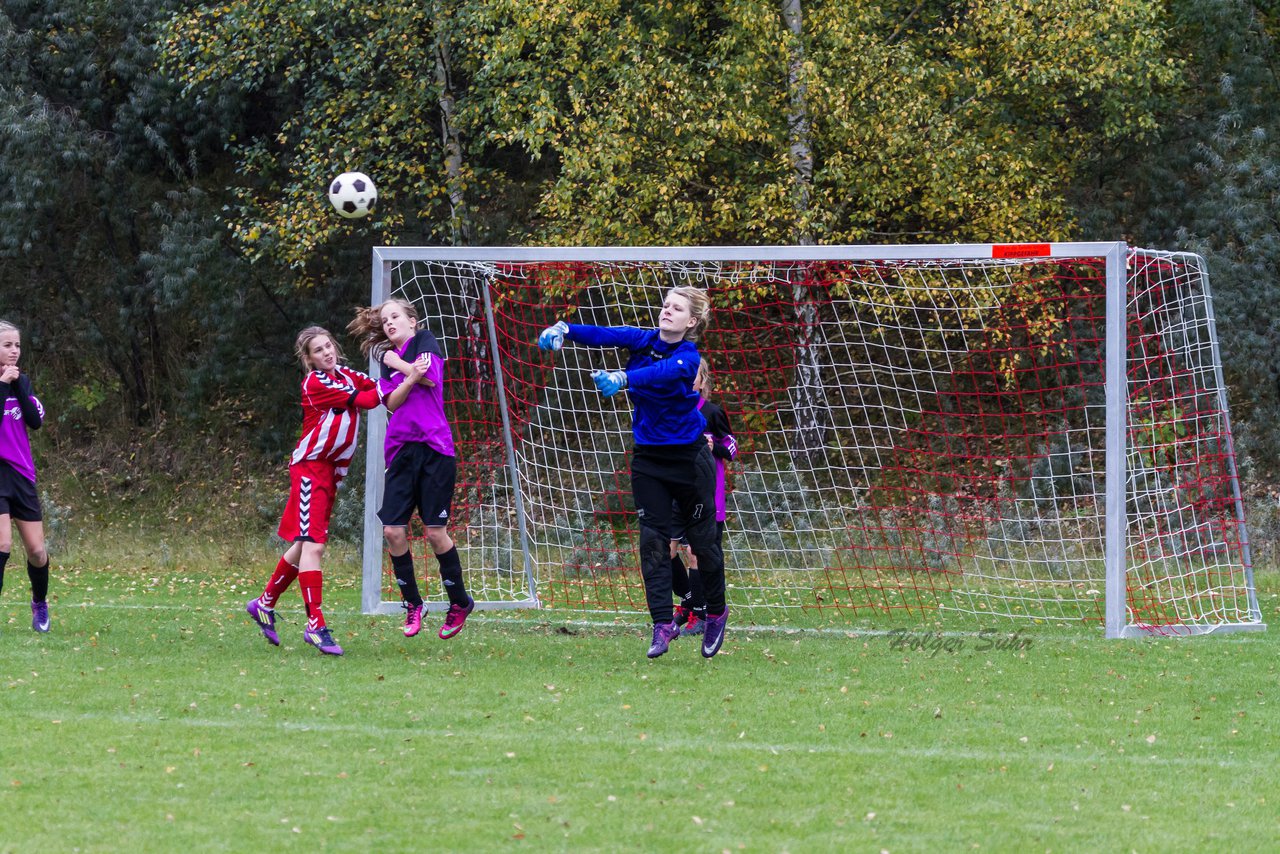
(386,384)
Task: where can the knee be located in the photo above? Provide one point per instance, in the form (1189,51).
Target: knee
(706,545)
(396,535)
(38,556)
(654,548)
(439,539)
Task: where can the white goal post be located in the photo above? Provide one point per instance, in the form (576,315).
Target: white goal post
(986,431)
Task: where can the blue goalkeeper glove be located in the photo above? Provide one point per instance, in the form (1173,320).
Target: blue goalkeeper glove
(552,338)
(609,382)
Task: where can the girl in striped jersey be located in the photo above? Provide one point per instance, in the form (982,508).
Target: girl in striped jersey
(19,501)
(332,397)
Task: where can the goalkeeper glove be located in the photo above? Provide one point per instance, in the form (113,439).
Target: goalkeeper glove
(609,382)
(552,338)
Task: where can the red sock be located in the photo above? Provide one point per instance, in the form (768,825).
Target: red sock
(310,581)
(280,580)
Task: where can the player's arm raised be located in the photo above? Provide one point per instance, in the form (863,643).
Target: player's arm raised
(397,396)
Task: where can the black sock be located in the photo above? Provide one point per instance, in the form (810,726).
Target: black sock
(698,604)
(4,558)
(402,566)
(451,575)
(679,578)
(39,576)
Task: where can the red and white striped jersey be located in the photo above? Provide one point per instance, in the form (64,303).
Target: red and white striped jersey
(331,405)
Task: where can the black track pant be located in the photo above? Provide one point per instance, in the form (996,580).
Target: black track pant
(683,476)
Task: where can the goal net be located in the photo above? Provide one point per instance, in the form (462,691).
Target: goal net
(1024,432)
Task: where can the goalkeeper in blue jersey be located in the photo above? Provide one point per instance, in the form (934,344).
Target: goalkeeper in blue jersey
(672,469)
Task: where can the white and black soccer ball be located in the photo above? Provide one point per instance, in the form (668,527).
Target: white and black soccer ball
(353,194)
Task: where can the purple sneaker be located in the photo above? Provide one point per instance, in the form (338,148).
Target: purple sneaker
(412,619)
(663,635)
(265,618)
(714,633)
(322,640)
(454,620)
(40,617)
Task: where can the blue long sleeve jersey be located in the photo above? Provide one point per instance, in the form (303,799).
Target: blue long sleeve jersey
(659,382)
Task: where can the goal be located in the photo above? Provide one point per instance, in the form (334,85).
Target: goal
(968,432)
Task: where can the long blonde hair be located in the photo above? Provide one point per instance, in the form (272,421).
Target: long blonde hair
(302,346)
(699,308)
(703,378)
(366,328)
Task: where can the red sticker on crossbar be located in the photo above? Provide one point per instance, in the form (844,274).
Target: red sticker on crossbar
(1020,250)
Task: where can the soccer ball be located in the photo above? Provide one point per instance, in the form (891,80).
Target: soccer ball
(353,194)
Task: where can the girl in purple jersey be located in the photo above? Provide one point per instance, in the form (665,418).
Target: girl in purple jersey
(672,469)
(691,613)
(19,501)
(419,454)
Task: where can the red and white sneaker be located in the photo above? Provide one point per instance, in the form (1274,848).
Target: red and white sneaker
(695,626)
(682,615)
(457,616)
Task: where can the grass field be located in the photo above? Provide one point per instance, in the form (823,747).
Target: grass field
(155,718)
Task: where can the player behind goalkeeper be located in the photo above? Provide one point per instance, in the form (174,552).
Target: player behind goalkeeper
(671,463)
(686,583)
(419,453)
(19,501)
(332,397)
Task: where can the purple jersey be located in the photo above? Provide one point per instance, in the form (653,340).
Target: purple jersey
(420,417)
(22,411)
(724,447)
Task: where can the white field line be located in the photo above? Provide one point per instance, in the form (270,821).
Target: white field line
(637,622)
(684,746)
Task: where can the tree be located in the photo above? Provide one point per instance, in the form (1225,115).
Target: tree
(99,157)
(344,87)
(115,258)
(1208,182)
(634,122)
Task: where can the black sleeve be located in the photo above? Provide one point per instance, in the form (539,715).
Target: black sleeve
(424,341)
(718,424)
(380,355)
(26,402)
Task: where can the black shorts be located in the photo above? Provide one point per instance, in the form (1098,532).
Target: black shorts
(18,496)
(419,478)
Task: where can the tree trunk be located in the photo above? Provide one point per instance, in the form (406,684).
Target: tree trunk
(798,122)
(808,393)
(460,217)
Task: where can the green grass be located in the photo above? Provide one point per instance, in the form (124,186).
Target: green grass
(155,718)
